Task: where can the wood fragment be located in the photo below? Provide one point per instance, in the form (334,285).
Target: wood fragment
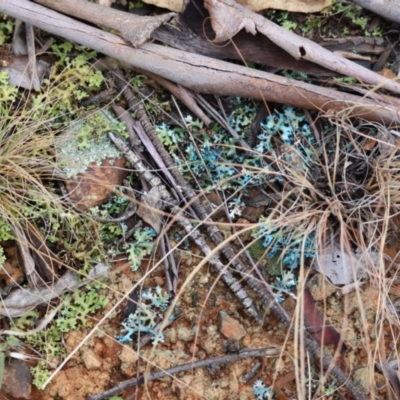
(299,47)
(200,73)
(385,8)
(182,94)
(136,29)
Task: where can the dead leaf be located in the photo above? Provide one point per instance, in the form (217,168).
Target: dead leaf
(317,325)
(370,144)
(151,203)
(18,71)
(283,380)
(18,44)
(287,5)
(388,73)
(391,372)
(94,186)
(26,258)
(173,5)
(388,142)
(340,266)
(21,301)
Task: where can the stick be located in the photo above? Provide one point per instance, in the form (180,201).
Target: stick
(199,73)
(229,358)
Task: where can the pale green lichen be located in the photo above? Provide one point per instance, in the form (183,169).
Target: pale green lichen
(87,141)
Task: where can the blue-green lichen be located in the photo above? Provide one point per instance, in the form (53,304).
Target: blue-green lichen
(144,319)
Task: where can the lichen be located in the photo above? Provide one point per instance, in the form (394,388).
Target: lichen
(144,319)
(86,142)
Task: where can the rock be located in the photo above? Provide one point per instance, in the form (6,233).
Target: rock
(90,360)
(320,287)
(362,377)
(213,204)
(128,358)
(93,187)
(128,355)
(17,380)
(231,328)
(184,334)
(231,346)
(252,214)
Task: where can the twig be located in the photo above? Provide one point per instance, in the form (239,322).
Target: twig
(104,95)
(229,358)
(183,94)
(30,43)
(155,182)
(223,122)
(265,294)
(176,180)
(252,373)
(171,270)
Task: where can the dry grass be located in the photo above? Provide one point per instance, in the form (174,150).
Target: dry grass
(330,197)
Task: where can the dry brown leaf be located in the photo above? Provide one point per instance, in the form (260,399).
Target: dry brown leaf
(318,326)
(151,202)
(304,6)
(370,144)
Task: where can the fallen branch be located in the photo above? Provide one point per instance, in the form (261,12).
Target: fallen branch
(260,287)
(136,29)
(199,73)
(229,17)
(229,358)
(385,8)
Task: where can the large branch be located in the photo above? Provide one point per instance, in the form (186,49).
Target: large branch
(229,17)
(133,28)
(202,74)
(388,9)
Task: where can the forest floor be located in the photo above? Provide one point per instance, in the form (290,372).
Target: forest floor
(311,209)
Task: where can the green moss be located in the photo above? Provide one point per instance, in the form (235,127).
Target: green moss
(259,253)
(274,265)
(257,250)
